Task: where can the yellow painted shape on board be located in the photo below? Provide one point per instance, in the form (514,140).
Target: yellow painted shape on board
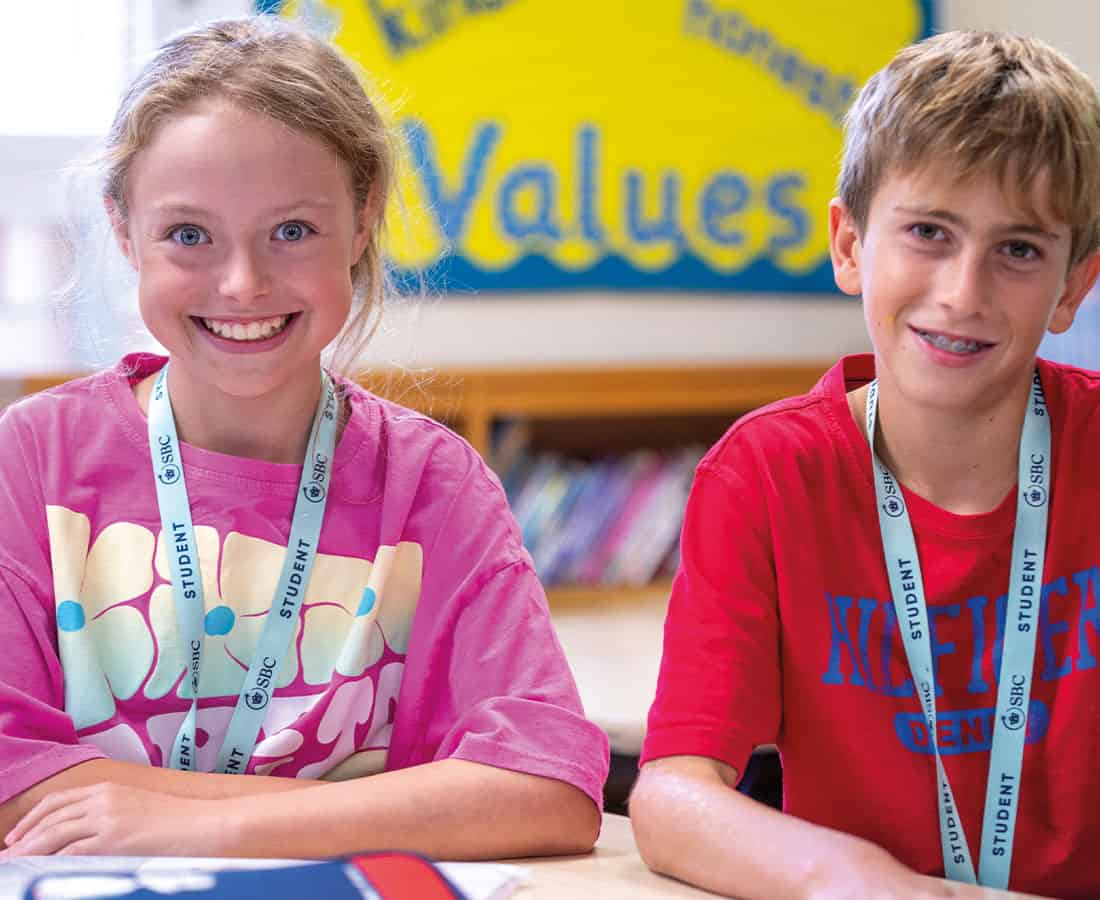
(667,93)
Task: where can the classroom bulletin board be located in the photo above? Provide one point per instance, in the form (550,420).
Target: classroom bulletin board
(617,144)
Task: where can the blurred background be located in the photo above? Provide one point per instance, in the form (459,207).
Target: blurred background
(64,63)
(619,209)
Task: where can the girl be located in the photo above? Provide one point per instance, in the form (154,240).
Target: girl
(234,563)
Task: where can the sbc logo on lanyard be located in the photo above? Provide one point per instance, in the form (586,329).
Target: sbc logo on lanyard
(893,507)
(892,503)
(256,698)
(1035,496)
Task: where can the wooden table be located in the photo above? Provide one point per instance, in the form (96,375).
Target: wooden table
(614,652)
(615,871)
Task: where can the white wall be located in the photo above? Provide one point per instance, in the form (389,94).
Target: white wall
(601,328)
(1070,25)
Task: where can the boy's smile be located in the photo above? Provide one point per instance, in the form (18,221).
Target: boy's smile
(960,280)
(952,348)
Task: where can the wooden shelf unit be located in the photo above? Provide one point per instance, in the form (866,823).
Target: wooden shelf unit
(471,401)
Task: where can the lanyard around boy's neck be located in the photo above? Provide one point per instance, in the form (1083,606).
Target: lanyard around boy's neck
(1018,656)
(178,539)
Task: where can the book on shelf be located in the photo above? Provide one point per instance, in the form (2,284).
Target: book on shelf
(528,486)
(656,526)
(565,536)
(610,521)
(545,505)
(603,564)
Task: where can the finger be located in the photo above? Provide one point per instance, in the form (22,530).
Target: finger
(52,820)
(49,840)
(43,808)
(89,846)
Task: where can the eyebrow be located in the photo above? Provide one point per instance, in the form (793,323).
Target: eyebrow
(956,219)
(186,209)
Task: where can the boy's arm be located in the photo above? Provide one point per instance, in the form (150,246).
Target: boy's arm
(452,809)
(692,824)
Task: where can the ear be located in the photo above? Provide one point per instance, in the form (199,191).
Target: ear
(367,218)
(845,247)
(120,226)
(1079,282)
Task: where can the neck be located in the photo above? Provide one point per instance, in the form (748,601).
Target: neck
(271,428)
(965,463)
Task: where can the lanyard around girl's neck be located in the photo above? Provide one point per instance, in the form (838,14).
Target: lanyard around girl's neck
(178,538)
(1014,690)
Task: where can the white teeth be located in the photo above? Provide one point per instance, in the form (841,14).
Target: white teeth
(953,346)
(253,331)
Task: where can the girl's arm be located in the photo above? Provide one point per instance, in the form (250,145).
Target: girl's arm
(195,785)
(450,809)
(691,823)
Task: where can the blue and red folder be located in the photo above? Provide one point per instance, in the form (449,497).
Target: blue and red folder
(371,876)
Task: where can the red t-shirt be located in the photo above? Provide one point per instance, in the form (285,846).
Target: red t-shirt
(781,629)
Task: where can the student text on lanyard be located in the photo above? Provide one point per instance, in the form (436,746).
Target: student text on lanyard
(178,537)
(1014,690)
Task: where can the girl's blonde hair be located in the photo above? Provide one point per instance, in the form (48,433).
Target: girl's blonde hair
(270,65)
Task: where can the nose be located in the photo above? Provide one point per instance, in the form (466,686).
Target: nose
(244,275)
(964,284)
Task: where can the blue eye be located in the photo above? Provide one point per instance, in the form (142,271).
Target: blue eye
(1022,250)
(926,231)
(292,231)
(189,235)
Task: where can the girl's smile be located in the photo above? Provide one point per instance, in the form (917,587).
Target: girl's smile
(251,330)
(253,335)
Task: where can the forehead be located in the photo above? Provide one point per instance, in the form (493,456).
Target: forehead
(221,151)
(985,196)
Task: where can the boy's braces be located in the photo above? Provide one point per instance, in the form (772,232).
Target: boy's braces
(954,345)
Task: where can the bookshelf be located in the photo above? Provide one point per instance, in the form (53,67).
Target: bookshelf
(582,411)
(472,400)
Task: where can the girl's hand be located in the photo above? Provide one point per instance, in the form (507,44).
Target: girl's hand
(115,820)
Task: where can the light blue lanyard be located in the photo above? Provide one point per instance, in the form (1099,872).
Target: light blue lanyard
(178,537)
(1018,656)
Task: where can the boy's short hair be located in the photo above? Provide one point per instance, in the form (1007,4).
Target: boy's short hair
(981,101)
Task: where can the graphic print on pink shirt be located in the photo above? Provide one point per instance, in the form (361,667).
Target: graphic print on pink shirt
(122,655)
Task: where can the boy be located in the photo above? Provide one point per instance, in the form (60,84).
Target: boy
(805,615)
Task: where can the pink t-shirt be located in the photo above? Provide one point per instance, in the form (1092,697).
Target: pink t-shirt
(424,633)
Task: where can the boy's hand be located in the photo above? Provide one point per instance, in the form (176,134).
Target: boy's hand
(867,872)
(116,820)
